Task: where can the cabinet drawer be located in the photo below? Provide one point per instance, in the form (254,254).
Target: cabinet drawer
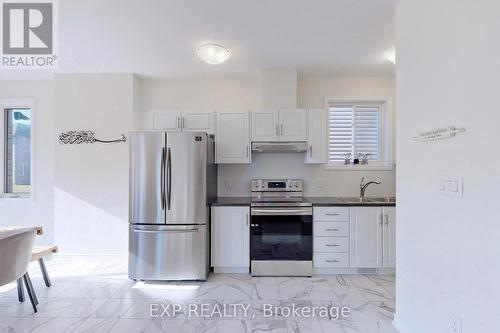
(333,214)
(330,229)
(331,260)
(331,244)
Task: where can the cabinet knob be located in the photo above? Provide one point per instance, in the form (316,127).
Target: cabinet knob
(328,260)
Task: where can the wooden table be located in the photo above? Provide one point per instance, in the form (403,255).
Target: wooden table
(9,231)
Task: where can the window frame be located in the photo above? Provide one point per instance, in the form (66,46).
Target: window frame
(13,103)
(385,132)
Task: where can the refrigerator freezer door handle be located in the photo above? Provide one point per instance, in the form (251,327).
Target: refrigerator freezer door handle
(162,179)
(169,177)
(166,231)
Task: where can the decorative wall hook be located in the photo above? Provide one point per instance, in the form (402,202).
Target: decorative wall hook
(79,137)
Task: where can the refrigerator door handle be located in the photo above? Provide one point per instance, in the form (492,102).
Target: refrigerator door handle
(166,231)
(169,177)
(162,179)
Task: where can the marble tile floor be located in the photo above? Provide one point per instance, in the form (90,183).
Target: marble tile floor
(97,296)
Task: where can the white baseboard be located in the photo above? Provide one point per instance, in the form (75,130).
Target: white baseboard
(234,270)
(90,257)
(347,271)
(398,324)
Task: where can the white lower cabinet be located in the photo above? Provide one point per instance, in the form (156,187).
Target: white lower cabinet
(331,237)
(230,236)
(389,237)
(355,237)
(372,243)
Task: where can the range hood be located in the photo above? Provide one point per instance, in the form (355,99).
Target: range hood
(279,147)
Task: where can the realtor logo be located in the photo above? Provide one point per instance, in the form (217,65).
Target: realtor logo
(28,34)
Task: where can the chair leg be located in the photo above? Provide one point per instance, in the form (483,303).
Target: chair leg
(31,292)
(20,290)
(31,287)
(44,272)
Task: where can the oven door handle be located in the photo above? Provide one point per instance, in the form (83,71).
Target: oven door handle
(288,211)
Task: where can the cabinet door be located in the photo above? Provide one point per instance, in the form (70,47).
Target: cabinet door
(316,136)
(230,236)
(265,125)
(366,237)
(165,120)
(293,125)
(389,237)
(233,137)
(198,121)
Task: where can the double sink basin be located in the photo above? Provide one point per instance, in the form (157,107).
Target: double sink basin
(369,200)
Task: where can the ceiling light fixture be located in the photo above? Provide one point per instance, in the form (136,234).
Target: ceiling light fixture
(213,54)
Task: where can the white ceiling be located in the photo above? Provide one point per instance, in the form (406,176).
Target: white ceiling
(158,38)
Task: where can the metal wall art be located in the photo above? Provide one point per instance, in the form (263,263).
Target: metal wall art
(438,134)
(79,137)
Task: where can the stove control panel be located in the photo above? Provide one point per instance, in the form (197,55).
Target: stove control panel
(278,185)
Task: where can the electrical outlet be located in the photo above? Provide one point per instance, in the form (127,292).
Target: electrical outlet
(228,183)
(456,324)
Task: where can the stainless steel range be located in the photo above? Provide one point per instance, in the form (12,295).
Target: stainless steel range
(281,229)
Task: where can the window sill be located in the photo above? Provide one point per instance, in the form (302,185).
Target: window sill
(358,167)
(14,196)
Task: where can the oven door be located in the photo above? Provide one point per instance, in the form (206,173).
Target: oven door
(281,233)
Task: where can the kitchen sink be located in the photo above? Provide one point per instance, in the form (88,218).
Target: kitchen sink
(354,200)
(368,200)
(382,199)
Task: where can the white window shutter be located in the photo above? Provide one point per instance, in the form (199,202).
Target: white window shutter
(354,129)
(367,131)
(341,132)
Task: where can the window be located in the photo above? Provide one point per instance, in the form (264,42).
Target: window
(356,130)
(16,150)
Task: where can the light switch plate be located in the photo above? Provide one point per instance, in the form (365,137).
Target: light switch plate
(451,186)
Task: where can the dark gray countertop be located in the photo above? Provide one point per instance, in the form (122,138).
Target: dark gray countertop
(232,201)
(316,201)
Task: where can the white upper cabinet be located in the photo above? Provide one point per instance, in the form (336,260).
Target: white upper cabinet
(293,125)
(282,125)
(366,237)
(165,120)
(316,136)
(389,235)
(265,125)
(182,120)
(232,137)
(198,121)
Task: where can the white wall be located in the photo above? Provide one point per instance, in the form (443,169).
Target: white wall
(91,182)
(39,209)
(245,93)
(448,72)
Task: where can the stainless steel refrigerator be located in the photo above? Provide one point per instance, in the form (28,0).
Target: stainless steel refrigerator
(173,177)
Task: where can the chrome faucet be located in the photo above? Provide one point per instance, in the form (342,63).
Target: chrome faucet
(363,186)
